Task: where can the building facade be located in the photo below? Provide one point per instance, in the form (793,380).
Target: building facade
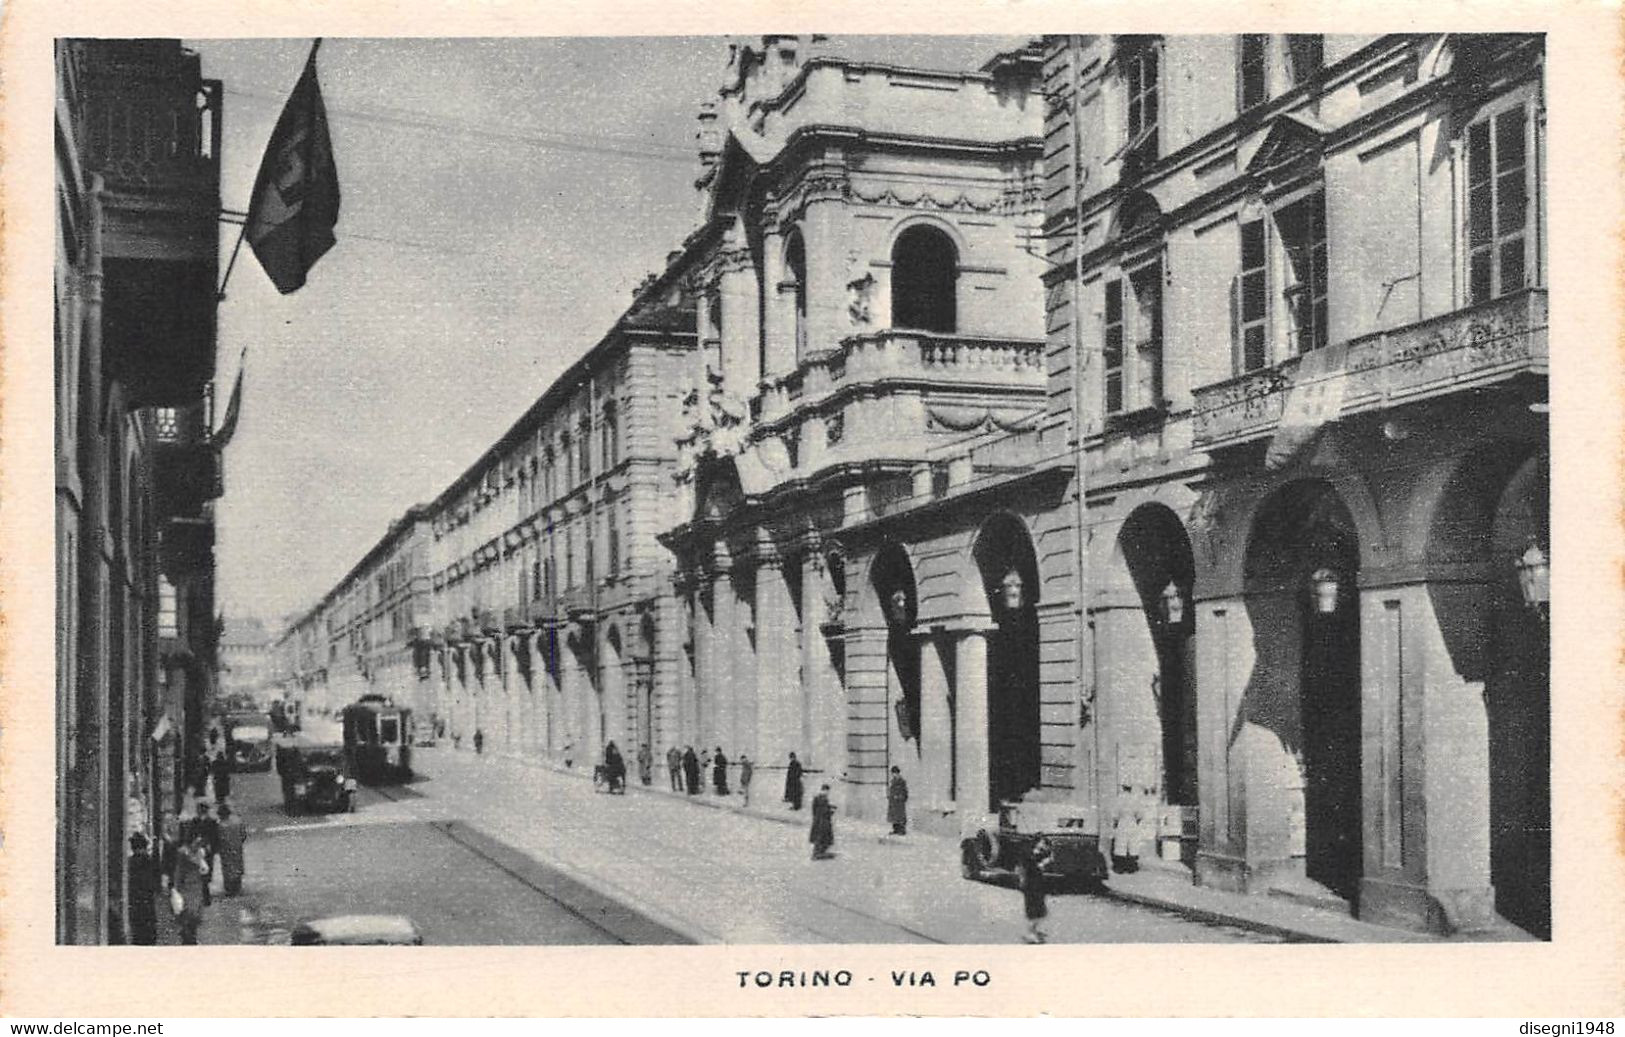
(137,148)
(1150,424)
(244,652)
(1298,298)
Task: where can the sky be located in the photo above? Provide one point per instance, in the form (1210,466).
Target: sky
(501,200)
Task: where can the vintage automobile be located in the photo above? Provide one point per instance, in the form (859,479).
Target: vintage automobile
(314,779)
(248,740)
(357,930)
(994,845)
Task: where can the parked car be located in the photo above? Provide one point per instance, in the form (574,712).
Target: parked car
(357,930)
(995,845)
(314,778)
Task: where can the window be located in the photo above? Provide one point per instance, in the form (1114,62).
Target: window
(1113,349)
(1303,237)
(1252,70)
(610,449)
(1133,380)
(1305,56)
(924,275)
(567,445)
(1252,299)
(585,446)
(795,271)
(168,610)
(612,558)
(1499,188)
(569,557)
(1146,283)
(549,489)
(1140,80)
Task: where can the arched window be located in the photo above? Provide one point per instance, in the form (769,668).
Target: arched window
(795,274)
(925,267)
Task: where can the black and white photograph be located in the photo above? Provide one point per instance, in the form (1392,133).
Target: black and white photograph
(811,490)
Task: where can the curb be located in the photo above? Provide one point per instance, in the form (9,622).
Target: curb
(1209,917)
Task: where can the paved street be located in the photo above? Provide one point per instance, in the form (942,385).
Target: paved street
(484,850)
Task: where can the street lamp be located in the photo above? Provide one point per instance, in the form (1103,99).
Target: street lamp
(1325,586)
(1011,589)
(1173,605)
(1535,578)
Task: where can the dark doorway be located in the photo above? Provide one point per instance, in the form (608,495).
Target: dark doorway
(1303,565)
(924,275)
(1329,690)
(1009,571)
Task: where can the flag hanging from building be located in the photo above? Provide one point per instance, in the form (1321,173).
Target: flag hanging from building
(296,195)
(1314,399)
(234,406)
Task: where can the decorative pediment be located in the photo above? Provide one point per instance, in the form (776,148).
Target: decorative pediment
(1291,140)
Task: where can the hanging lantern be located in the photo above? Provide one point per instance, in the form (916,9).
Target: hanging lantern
(897,608)
(1535,578)
(1010,591)
(1173,605)
(1325,587)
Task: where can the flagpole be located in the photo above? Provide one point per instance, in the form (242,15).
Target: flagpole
(220,294)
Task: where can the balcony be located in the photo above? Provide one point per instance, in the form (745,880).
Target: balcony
(1462,350)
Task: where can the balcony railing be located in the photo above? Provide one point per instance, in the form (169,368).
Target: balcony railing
(1464,349)
(151,120)
(908,356)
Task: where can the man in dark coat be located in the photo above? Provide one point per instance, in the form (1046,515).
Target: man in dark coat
(822,835)
(143,890)
(674,765)
(792,783)
(220,769)
(691,771)
(897,803)
(614,768)
(206,830)
(719,773)
(200,774)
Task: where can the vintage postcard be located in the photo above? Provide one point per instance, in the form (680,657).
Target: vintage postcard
(643,517)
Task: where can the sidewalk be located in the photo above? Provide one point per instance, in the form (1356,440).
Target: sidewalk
(883,888)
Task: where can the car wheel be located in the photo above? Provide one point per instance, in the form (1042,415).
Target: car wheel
(967,860)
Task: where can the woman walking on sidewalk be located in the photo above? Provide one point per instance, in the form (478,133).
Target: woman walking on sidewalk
(691,771)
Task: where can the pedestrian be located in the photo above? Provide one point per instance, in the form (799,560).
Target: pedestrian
(674,764)
(199,773)
(614,768)
(897,803)
(1031,879)
(479,741)
(569,752)
(705,767)
(232,837)
(646,762)
(822,835)
(220,769)
(746,769)
(207,829)
(691,771)
(189,888)
(143,891)
(792,783)
(719,774)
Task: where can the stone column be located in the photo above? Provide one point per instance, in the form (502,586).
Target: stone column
(826,239)
(1126,665)
(1425,760)
(741,317)
(934,789)
(823,703)
(701,705)
(869,718)
(778,691)
(569,739)
(970,696)
(722,688)
(779,309)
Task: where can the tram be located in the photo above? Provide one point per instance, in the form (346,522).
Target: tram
(378,740)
